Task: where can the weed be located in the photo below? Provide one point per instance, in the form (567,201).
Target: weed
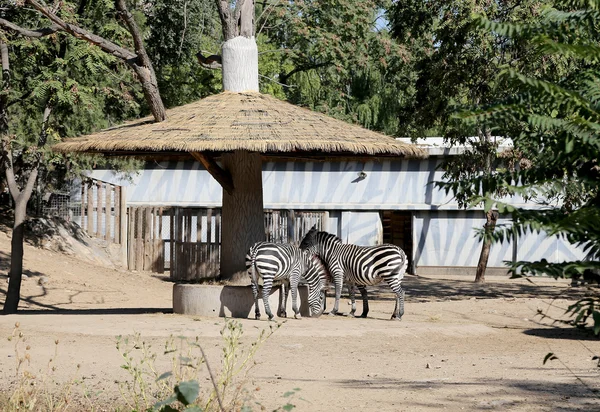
(36,390)
(179,387)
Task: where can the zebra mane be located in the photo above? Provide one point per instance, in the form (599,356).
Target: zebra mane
(329,236)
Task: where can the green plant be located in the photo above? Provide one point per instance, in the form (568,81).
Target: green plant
(36,390)
(179,388)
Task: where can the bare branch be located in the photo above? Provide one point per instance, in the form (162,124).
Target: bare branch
(9,169)
(245,15)
(133,28)
(26,193)
(284,77)
(225,15)
(44,31)
(83,34)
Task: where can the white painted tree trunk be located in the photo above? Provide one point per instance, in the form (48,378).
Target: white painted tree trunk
(240,65)
(243,210)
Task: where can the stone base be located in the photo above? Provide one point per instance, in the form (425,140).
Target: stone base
(231,301)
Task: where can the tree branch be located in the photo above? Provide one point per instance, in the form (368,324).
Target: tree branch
(284,77)
(225,15)
(44,31)
(10,173)
(133,28)
(83,34)
(222,176)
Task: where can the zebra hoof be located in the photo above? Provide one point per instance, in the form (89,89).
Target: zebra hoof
(257,317)
(363,316)
(396,318)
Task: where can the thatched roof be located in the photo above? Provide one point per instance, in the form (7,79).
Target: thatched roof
(240,121)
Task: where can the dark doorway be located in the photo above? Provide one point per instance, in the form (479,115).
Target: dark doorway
(397,230)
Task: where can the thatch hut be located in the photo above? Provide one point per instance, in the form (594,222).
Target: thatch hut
(238,130)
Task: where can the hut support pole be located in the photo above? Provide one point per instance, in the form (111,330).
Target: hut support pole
(242,214)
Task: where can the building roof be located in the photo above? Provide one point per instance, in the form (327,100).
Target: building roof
(436,146)
(241,121)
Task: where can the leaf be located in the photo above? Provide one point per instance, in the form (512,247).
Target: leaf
(160,406)
(187,392)
(549,356)
(164,376)
(193,408)
(288,394)
(168,408)
(288,407)
(488,204)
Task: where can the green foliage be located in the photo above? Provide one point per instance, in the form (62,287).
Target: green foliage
(456,61)
(178,389)
(176,31)
(83,89)
(554,122)
(334,57)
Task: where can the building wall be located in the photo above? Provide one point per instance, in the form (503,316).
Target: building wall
(443,234)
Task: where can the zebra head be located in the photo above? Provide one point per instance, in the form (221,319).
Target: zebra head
(309,242)
(318,243)
(315,276)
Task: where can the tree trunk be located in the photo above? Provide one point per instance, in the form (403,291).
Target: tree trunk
(490,224)
(242,214)
(151,93)
(13,295)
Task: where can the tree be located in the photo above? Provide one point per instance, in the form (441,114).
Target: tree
(56,77)
(138,60)
(456,64)
(555,126)
(174,33)
(335,57)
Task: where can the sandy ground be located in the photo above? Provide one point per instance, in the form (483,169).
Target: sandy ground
(460,346)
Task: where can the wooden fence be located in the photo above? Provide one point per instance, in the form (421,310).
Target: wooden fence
(195,243)
(102,210)
(194,234)
(146,247)
(196,237)
(289,226)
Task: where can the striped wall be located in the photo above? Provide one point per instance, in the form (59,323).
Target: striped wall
(443,234)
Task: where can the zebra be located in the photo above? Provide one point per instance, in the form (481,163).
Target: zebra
(359,265)
(285,262)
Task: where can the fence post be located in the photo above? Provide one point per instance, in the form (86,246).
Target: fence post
(123,225)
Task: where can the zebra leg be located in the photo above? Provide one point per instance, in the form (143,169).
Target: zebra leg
(351,292)
(283,297)
(255,294)
(365,299)
(294,287)
(399,310)
(267,285)
(338,279)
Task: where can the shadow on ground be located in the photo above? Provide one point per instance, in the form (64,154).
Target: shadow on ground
(492,394)
(430,289)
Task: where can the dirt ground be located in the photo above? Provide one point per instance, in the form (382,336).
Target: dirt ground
(460,346)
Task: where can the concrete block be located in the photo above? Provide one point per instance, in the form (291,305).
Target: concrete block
(230,301)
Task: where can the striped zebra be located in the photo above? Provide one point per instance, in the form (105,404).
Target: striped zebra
(287,263)
(359,265)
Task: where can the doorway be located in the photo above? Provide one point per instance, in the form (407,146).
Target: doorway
(397,230)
